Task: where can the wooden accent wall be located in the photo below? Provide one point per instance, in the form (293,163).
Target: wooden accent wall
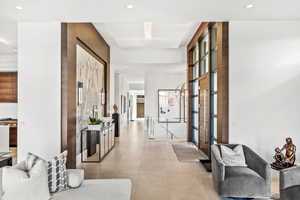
(223,82)
(8,87)
(72,34)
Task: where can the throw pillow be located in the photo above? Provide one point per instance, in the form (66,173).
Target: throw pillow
(57,173)
(26,185)
(31,160)
(233,157)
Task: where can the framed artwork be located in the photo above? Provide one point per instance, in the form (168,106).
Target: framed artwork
(169,105)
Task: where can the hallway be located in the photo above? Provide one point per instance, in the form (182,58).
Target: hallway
(153,168)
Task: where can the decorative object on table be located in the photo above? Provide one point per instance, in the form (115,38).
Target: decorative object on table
(75,178)
(253,181)
(285,161)
(116,118)
(95,124)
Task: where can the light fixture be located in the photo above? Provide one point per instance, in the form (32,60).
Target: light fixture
(248,6)
(148,30)
(19,7)
(129,6)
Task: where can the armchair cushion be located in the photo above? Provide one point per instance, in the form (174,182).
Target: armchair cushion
(242,176)
(234,156)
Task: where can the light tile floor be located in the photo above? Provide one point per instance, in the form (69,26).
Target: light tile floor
(153,168)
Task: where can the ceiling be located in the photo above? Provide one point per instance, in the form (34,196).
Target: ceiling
(172,24)
(177,11)
(137,49)
(132,35)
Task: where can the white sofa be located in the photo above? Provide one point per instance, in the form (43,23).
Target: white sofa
(98,189)
(94,189)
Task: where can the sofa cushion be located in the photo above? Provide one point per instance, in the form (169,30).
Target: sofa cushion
(98,189)
(26,185)
(234,156)
(242,182)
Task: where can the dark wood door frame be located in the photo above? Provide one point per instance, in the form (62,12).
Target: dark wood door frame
(223,79)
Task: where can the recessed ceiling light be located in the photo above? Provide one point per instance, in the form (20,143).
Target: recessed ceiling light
(248,6)
(19,7)
(129,6)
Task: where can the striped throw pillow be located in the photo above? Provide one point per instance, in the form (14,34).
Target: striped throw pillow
(57,173)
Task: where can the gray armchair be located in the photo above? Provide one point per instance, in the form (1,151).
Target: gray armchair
(242,182)
(290,183)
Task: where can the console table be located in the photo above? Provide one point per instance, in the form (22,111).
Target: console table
(96,144)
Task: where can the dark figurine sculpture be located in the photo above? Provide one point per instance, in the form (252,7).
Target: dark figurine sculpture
(285,161)
(116,118)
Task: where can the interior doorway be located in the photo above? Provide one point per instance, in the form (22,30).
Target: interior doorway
(140,106)
(137,105)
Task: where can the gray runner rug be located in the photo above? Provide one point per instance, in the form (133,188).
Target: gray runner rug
(188,152)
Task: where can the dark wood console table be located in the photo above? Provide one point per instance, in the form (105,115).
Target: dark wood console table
(96,144)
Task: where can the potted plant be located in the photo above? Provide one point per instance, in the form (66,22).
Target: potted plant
(95,124)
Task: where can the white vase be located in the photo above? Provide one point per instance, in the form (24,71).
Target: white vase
(97,127)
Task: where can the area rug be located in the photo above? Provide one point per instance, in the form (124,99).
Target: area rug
(188,152)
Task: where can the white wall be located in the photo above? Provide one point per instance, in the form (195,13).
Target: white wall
(39,65)
(112,89)
(264,84)
(121,88)
(159,80)
(8,110)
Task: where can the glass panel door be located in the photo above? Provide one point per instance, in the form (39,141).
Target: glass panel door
(204,115)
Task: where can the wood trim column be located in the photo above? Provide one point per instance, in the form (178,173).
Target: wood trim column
(73,34)
(223,82)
